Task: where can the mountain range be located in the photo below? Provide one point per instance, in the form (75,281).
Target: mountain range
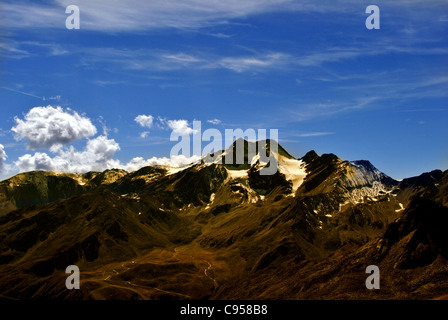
(214,230)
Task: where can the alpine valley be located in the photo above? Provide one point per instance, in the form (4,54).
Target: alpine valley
(220,231)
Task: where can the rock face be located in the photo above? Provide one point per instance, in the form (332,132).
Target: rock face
(418,236)
(220,230)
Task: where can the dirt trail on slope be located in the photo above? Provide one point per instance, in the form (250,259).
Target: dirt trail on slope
(179,252)
(183,272)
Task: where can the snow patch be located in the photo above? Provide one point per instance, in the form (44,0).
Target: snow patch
(173,170)
(212,198)
(293,169)
(237,174)
(360,195)
(80,181)
(401,207)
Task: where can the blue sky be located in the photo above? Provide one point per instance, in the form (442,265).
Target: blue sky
(310,69)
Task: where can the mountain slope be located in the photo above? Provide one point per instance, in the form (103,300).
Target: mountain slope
(221,230)
(411,255)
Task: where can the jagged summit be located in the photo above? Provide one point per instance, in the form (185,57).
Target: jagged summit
(310,156)
(311,174)
(242,153)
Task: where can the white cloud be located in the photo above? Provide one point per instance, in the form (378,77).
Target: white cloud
(3,157)
(38,161)
(180,126)
(44,127)
(214,121)
(144,121)
(101,149)
(144,134)
(53,128)
(97,156)
(174,161)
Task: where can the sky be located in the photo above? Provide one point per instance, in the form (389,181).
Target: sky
(110,94)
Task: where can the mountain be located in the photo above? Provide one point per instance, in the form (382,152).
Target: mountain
(218,229)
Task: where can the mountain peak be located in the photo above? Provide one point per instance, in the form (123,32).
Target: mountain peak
(310,156)
(365,163)
(326,158)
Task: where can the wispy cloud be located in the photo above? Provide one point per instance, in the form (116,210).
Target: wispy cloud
(14,49)
(219,35)
(314,134)
(308,111)
(254,62)
(162,60)
(24,93)
(214,121)
(10,49)
(400,85)
(150,60)
(136,15)
(104,83)
(140,59)
(181,58)
(384,47)
(423,110)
